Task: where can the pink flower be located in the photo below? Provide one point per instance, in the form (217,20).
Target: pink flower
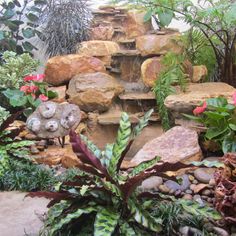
(234,98)
(43,98)
(25,88)
(33,89)
(36,78)
(200,109)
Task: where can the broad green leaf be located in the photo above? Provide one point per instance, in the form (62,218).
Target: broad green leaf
(121,143)
(144,166)
(28,46)
(194,118)
(28,33)
(229,143)
(9,13)
(142,124)
(52,94)
(126,229)
(207,163)
(165,17)
(214,132)
(69,217)
(144,218)
(217,102)
(214,115)
(148,15)
(106,222)
(32,17)
(195,209)
(232,126)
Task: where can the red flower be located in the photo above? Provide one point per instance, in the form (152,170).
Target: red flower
(234,98)
(33,89)
(201,109)
(25,88)
(43,98)
(36,78)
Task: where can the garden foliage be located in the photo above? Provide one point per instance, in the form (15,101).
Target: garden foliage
(19,24)
(218,116)
(104,196)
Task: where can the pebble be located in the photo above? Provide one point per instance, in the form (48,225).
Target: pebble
(188,191)
(204,175)
(198,199)
(193,186)
(191,178)
(195,182)
(206,192)
(210,200)
(187,197)
(212,182)
(178,193)
(172,185)
(151,183)
(164,189)
(220,231)
(34,150)
(199,187)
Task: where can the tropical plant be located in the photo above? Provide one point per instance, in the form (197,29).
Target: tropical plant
(65,23)
(173,73)
(218,116)
(106,196)
(31,94)
(9,147)
(19,24)
(14,68)
(215,19)
(198,50)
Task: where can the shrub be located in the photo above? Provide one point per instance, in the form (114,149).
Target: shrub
(14,68)
(218,116)
(19,24)
(65,24)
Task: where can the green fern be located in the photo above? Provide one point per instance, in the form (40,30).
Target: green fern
(172,74)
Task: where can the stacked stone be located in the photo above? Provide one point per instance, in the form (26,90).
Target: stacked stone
(115,70)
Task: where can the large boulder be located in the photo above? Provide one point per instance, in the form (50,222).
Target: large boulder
(134,24)
(177,144)
(94,91)
(151,69)
(185,102)
(199,73)
(158,44)
(60,69)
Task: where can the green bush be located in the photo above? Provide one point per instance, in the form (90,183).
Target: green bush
(14,68)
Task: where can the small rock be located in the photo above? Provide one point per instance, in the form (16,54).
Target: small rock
(164,189)
(34,150)
(151,183)
(212,182)
(220,231)
(187,197)
(175,186)
(195,181)
(210,200)
(178,193)
(188,191)
(184,230)
(198,199)
(191,178)
(199,187)
(193,186)
(206,192)
(204,175)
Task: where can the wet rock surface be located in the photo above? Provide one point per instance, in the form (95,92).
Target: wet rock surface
(52,120)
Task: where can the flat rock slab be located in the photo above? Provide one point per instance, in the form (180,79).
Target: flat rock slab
(196,94)
(177,144)
(20,215)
